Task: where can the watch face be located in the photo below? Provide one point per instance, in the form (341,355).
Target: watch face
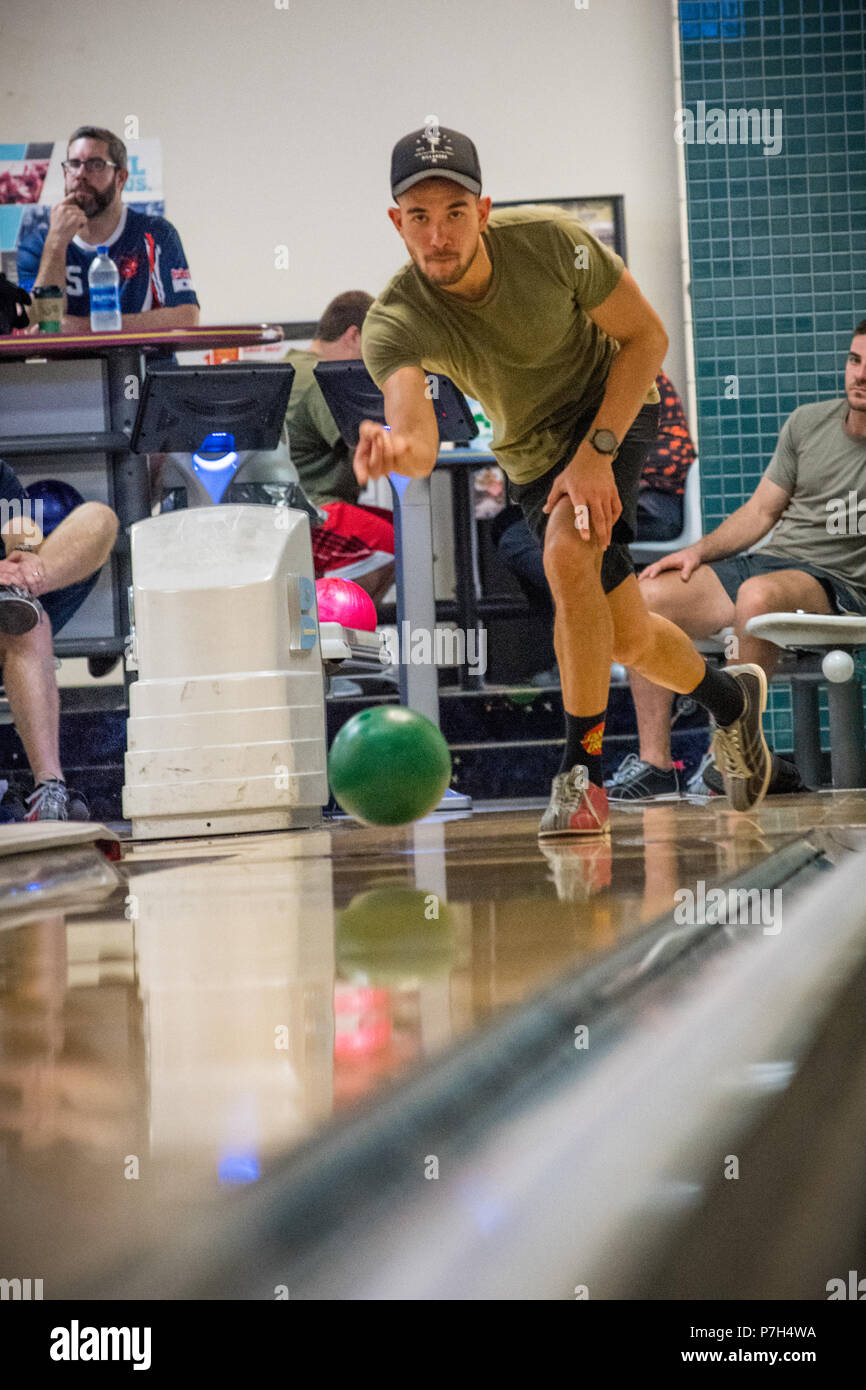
(605,441)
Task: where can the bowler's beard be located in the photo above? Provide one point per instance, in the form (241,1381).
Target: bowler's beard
(857,403)
(94,203)
(452,276)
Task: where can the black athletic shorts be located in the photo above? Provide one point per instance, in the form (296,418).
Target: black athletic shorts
(616,564)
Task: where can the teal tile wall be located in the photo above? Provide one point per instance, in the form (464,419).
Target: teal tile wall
(777,241)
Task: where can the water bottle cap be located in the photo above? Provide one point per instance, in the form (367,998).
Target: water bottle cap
(102,250)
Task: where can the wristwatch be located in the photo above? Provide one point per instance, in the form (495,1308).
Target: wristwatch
(604,442)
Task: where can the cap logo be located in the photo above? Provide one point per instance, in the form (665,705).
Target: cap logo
(438,149)
(431,131)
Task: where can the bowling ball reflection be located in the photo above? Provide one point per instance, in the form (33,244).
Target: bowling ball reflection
(389,934)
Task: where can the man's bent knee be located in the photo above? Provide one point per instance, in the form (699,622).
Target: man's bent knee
(780,592)
(569,561)
(100,517)
(95,517)
(663,594)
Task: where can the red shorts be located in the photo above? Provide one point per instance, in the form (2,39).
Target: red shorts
(353,541)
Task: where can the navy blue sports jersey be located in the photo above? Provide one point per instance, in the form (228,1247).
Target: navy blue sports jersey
(147,252)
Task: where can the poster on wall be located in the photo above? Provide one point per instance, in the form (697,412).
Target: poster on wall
(31,182)
(603,215)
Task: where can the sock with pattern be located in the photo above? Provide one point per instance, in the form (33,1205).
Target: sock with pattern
(583,739)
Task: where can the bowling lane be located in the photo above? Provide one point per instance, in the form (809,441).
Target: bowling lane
(159,1050)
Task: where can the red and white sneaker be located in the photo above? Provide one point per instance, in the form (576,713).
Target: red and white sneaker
(577,806)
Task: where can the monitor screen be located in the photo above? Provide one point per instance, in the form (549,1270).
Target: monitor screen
(352,396)
(181,406)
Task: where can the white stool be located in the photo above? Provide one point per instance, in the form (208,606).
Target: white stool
(227,719)
(834,637)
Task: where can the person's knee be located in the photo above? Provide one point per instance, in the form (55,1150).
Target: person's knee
(101,519)
(761,594)
(569,565)
(26,645)
(659,594)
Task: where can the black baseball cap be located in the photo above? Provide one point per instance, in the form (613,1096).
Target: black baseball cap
(435,152)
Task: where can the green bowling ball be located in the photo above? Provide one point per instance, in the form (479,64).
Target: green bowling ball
(389,766)
(390,934)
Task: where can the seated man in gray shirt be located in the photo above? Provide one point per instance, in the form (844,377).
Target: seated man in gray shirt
(814,561)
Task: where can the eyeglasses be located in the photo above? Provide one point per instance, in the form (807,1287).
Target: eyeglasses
(93,166)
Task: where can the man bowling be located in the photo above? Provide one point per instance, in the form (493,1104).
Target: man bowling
(529,314)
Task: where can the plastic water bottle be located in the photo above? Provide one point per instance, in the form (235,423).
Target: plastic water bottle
(104,282)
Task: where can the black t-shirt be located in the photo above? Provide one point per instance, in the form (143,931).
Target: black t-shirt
(10,491)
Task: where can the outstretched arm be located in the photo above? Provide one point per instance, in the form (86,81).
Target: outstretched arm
(409,444)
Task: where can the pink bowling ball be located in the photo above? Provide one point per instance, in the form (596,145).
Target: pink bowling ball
(341,601)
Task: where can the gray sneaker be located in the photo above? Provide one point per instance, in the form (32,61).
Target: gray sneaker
(48,801)
(637,780)
(740,750)
(705,780)
(19,611)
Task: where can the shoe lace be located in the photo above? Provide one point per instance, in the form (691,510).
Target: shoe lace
(630,767)
(731,752)
(48,796)
(570,787)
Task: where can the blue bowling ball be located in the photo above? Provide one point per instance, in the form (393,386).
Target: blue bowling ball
(58,500)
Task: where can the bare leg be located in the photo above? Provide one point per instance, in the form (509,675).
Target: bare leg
(79,546)
(653,705)
(583,628)
(699,607)
(31,687)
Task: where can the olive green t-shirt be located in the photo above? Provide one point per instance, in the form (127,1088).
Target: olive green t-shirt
(820,466)
(319,452)
(527,350)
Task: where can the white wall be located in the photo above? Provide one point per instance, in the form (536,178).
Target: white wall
(277,123)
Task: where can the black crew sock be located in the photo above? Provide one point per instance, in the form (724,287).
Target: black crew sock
(583,739)
(719,693)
